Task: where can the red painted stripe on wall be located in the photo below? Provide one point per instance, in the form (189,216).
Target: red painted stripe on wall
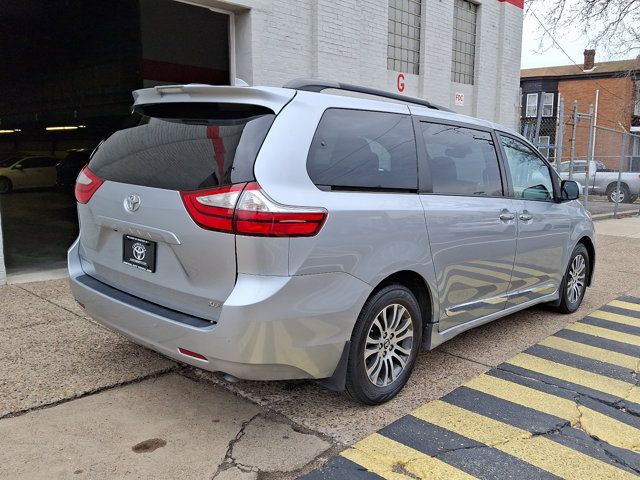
(517,3)
(178,73)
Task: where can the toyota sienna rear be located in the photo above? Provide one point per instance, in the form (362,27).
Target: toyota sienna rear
(282,233)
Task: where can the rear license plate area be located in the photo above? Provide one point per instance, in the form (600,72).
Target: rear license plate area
(139,253)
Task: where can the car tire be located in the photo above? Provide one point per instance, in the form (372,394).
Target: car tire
(5,185)
(390,313)
(574,282)
(623,197)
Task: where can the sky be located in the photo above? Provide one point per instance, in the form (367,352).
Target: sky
(573,42)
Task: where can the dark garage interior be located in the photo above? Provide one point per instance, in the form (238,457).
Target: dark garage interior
(69,67)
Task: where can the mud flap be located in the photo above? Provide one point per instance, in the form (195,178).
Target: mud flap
(337,381)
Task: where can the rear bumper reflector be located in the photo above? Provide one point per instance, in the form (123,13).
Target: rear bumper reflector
(189,353)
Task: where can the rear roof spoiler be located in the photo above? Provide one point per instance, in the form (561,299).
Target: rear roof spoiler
(315,85)
(272,98)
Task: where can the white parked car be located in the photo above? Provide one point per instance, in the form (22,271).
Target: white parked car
(27,172)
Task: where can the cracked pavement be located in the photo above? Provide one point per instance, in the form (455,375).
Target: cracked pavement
(77,399)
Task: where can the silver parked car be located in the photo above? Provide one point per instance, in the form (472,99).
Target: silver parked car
(285,233)
(603,181)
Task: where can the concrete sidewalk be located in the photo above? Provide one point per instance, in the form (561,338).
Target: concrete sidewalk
(78,397)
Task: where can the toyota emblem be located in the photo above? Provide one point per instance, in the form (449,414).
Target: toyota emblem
(139,251)
(132,203)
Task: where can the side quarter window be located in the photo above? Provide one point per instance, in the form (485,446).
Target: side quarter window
(530,175)
(357,149)
(462,161)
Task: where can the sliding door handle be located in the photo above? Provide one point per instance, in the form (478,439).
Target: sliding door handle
(507,216)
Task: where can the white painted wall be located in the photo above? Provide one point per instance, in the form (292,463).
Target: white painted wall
(346,40)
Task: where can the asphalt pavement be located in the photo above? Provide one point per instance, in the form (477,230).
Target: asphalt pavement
(567,407)
(79,401)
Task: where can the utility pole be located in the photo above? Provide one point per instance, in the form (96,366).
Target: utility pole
(589,153)
(538,120)
(559,132)
(573,138)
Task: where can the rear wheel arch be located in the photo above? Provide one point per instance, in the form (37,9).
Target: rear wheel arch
(418,286)
(614,185)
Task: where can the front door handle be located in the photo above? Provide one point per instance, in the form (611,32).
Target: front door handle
(525,216)
(507,216)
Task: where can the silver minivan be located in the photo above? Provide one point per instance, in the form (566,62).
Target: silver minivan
(306,232)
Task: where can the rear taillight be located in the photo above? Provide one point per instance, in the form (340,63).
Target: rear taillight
(244,209)
(213,209)
(86,185)
(257,214)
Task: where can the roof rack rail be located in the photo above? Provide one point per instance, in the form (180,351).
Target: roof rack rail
(315,85)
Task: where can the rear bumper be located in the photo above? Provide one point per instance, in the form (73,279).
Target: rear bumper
(270,327)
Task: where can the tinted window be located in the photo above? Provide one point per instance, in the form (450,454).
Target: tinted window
(38,162)
(462,161)
(7,162)
(578,167)
(530,175)
(183,156)
(360,149)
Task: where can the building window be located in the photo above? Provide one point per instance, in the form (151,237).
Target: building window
(464,42)
(547,105)
(403,48)
(532,105)
(543,145)
(636,110)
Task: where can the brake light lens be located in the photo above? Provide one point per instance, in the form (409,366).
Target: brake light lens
(213,209)
(87,184)
(244,209)
(257,214)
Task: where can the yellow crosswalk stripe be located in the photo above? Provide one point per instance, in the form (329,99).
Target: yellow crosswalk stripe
(587,379)
(588,351)
(536,450)
(609,429)
(626,305)
(604,333)
(616,317)
(383,456)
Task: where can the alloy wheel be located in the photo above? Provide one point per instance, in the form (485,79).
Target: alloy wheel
(576,279)
(617,196)
(389,344)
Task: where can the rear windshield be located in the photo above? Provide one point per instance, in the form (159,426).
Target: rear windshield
(181,155)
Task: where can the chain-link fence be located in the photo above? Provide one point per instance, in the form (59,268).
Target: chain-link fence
(605,161)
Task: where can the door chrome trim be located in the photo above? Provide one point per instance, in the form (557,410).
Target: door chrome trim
(465,307)
(437,338)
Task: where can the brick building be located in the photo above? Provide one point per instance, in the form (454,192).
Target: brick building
(613,88)
(70,67)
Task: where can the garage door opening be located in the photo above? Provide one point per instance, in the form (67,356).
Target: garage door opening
(70,67)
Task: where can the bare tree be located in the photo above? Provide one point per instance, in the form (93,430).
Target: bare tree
(613,25)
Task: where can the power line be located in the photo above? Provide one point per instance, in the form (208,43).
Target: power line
(568,56)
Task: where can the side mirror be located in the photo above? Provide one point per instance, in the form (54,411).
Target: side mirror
(17,167)
(570,190)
